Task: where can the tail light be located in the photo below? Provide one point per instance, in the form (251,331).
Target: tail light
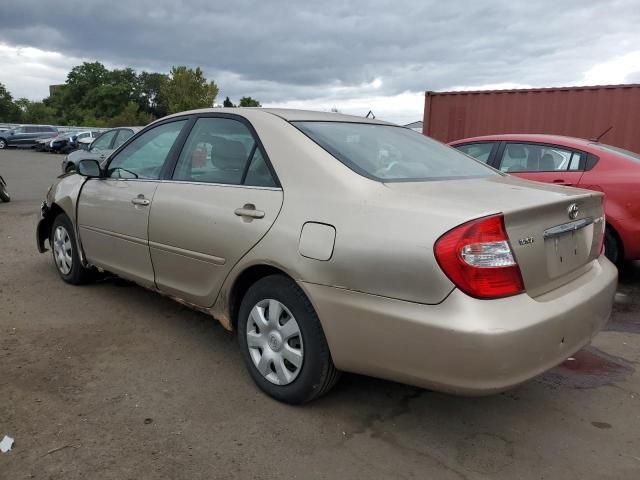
(477,258)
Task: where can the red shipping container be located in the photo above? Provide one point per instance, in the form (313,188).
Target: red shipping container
(583,112)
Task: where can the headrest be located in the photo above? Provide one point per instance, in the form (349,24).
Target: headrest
(547,163)
(516,151)
(228,154)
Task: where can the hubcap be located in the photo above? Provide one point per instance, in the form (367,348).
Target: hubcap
(3,144)
(62,250)
(275,342)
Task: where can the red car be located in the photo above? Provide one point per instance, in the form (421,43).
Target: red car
(574,162)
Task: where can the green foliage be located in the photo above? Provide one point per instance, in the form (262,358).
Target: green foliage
(95,96)
(249,102)
(188,89)
(227,103)
(9,111)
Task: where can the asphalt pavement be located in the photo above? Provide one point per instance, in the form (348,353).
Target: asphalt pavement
(111,381)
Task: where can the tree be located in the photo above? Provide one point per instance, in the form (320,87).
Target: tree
(227,103)
(188,89)
(9,111)
(36,112)
(249,102)
(150,98)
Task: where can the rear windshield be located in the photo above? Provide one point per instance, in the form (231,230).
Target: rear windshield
(392,154)
(620,151)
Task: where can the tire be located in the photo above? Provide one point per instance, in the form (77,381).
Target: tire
(4,195)
(612,247)
(3,144)
(64,248)
(315,375)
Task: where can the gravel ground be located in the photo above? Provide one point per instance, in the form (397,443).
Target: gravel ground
(112,381)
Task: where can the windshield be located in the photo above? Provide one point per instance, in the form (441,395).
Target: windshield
(388,153)
(620,151)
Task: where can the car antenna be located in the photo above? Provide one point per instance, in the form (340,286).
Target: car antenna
(597,139)
(370,115)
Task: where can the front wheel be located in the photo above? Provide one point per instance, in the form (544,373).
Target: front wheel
(65,252)
(3,144)
(282,342)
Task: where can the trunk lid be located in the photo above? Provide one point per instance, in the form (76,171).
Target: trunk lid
(554,231)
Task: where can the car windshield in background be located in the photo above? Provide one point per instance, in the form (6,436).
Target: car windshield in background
(620,151)
(388,153)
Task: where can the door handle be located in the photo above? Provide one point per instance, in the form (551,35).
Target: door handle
(140,200)
(249,210)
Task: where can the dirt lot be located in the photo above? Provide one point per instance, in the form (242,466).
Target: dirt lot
(112,381)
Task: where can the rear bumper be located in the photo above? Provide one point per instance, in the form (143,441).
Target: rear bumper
(464,345)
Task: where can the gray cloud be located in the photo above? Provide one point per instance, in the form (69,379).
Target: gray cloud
(281,50)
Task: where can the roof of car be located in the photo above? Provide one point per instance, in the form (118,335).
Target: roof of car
(527,137)
(291,115)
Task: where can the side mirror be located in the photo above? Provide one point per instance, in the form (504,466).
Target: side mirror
(89,168)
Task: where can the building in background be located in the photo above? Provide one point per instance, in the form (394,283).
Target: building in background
(584,112)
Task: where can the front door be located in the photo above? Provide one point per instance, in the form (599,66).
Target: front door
(543,163)
(221,199)
(113,212)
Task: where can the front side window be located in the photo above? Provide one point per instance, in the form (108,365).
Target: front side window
(103,142)
(529,157)
(479,151)
(218,150)
(145,156)
(122,137)
(387,153)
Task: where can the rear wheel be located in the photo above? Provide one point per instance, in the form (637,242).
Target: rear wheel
(65,252)
(282,342)
(612,247)
(3,144)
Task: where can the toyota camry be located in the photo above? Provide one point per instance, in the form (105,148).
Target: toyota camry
(334,243)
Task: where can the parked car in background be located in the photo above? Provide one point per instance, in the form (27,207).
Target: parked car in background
(331,242)
(42,144)
(24,135)
(573,162)
(68,141)
(100,148)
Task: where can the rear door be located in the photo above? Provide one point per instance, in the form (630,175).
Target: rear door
(219,201)
(542,162)
(113,212)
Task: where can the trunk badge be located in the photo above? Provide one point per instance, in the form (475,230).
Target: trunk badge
(573,211)
(525,241)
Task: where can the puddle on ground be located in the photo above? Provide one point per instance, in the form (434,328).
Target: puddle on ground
(588,368)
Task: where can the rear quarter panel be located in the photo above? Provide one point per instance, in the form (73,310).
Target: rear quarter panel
(619,179)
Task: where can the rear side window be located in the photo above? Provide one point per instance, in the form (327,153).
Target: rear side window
(387,153)
(222,150)
(529,157)
(479,151)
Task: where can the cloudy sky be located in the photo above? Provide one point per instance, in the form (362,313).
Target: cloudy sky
(354,55)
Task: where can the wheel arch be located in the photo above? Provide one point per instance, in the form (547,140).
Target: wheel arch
(44,226)
(239,286)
